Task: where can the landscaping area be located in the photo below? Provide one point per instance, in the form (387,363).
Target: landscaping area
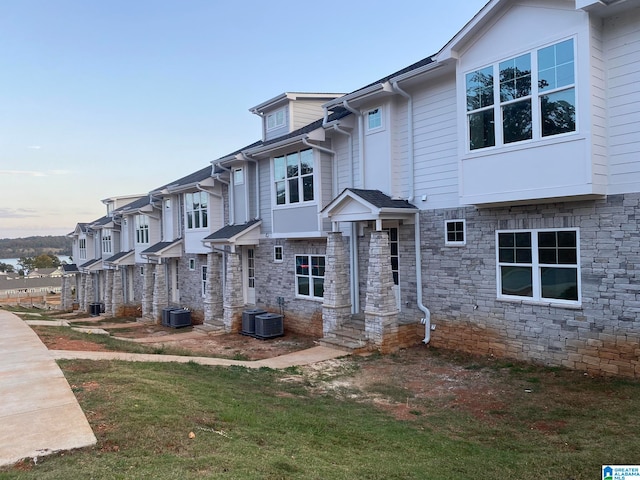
(419,413)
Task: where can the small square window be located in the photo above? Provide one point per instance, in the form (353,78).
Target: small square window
(277,253)
(192,264)
(455,232)
(374,119)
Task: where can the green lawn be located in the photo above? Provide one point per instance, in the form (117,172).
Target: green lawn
(266,424)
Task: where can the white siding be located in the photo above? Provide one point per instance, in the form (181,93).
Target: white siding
(305,112)
(400,165)
(599,106)
(622,48)
(265,195)
(436,145)
(276,132)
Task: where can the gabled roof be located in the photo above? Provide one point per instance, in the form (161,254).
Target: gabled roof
(92,265)
(243,234)
(287,96)
(357,205)
(122,258)
(164,249)
(134,206)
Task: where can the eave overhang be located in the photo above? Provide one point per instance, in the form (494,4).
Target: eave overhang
(244,234)
(354,205)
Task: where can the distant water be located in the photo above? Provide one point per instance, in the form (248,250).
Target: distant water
(14,261)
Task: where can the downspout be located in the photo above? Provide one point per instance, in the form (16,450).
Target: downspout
(249,159)
(353,237)
(230,185)
(357,113)
(426,320)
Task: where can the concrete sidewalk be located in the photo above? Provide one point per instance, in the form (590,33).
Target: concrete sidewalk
(40,413)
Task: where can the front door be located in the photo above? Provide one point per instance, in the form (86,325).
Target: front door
(249,268)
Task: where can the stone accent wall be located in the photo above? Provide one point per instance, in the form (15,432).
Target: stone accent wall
(89,291)
(213,308)
(147,292)
(336,309)
(277,279)
(233,299)
(381,311)
(602,336)
(108,292)
(117,305)
(190,285)
(160,293)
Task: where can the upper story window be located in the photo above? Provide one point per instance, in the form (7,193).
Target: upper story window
(238,176)
(542,265)
(196,205)
(142,229)
(275,119)
(374,119)
(530,96)
(293,177)
(107,246)
(82,248)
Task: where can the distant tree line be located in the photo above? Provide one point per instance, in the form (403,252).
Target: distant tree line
(34,246)
(28,264)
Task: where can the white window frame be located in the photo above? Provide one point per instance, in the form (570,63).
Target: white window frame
(534,97)
(238,176)
(536,267)
(203,272)
(309,275)
(192,264)
(380,115)
(107,245)
(82,248)
(142,229)
(455,243)
(196,212)
(278,253)
(299,179)
(276,119)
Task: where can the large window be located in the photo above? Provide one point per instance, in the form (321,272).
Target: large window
(142,229)
(310,276)
(539,265)
(107,246)
(522,98)
(82,248)
(293,176)
(196,206)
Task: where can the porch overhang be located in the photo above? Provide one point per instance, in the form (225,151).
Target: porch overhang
(91,266)
(355,205)
(163,250)
(122,259)
(243,234)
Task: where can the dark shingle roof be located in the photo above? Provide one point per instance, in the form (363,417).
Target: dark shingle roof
(380,200)
(194,177)
(135,205)
(70,268)
(338,113)
(90,263)
(117,256)
(230,231)
(159,247)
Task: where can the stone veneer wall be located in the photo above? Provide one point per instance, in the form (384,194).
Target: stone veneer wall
(190,285)
(601,337)
(277,279)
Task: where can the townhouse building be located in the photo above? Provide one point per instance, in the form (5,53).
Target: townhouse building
(483,199)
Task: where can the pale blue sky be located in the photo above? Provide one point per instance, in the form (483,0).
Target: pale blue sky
(111,97)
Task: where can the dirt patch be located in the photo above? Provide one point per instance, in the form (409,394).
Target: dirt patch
(63,343)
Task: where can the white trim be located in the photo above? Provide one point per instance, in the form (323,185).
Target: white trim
(277,123)
(380,112)
(535,265)
(455,243)
(275,254)
(192,264)
(309,276)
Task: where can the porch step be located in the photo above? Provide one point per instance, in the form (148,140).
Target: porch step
(210,328)
(350,337)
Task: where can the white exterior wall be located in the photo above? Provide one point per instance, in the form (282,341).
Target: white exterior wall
(377,150)
(277,132)
(303,112)
(621,39)
(436,144)
(193,237)
(521,171)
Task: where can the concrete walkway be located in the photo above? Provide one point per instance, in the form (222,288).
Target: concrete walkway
(40,413)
